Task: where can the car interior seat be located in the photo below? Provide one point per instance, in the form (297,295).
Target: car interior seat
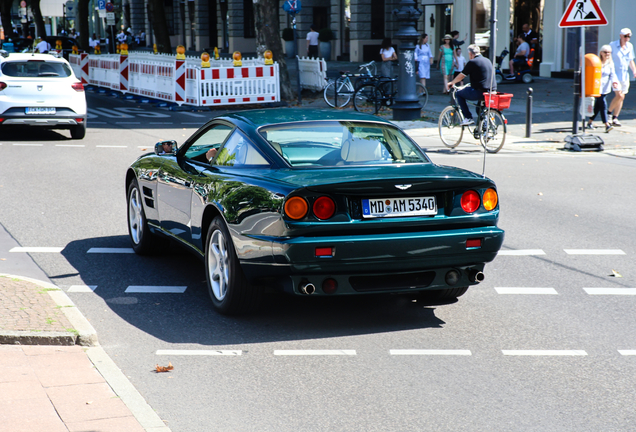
(360,150)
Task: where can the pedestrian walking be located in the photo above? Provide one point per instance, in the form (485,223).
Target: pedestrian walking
(609,81)
(455,41)
(312,42)
(445,60)
(425,59)
(458,64)
(388,55)
(623,58)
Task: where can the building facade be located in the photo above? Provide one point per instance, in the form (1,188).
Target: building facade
(360,25)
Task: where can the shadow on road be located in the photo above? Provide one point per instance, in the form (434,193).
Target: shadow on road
(190,318)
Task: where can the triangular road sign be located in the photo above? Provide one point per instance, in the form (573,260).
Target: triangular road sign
(583,13)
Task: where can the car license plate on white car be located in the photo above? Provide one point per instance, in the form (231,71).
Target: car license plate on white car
(40,110)
(397,207)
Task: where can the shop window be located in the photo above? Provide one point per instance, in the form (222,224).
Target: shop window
(377,19)
(249,31)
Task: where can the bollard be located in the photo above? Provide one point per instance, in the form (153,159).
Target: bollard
(577,93)
(529,113)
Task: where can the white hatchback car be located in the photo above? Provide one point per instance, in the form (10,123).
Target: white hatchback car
(41,90)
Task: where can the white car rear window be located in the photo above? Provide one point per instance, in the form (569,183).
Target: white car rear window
(36,69)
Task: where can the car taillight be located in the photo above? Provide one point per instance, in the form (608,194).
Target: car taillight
(490,199)
(3,86)
(296,208)
(78,87)
(470,201)
(324,207)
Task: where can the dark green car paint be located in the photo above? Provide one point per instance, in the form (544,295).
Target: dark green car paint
(182,196)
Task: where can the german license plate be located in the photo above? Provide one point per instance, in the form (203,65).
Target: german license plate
(397,207)
(40,110)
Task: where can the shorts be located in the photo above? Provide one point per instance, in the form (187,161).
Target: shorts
(624,86)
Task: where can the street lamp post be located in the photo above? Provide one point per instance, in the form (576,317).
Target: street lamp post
(407,105)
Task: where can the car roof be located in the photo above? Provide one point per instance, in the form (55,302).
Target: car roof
(253,119)
(31,56)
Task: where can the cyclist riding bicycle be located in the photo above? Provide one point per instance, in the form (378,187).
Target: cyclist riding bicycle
(479,69)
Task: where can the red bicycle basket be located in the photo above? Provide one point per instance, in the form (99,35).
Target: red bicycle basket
(498,100)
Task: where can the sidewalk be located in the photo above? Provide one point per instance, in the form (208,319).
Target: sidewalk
(551,122)
(54,376)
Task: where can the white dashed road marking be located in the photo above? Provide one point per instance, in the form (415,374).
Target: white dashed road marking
(147,289)
(594,252)
(610,291)
(314,352)
(506,290)
(82,288)
(37,249)
(521,252)
(200,352)
(111,250)
(436,352)
(544,352)
(27,145)
(627,352)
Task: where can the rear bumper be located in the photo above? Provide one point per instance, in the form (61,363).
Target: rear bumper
(425,257)
(51,122)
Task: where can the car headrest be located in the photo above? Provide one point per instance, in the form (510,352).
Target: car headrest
(360,150)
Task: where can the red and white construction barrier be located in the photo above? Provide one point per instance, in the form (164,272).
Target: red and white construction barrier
(180,81)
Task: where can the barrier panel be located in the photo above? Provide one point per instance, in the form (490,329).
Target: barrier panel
(313,73)
(180,81)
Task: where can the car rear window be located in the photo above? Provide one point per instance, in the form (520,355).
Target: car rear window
(36,69)
(335,143)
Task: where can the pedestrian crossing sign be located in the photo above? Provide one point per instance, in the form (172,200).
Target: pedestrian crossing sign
(583,13)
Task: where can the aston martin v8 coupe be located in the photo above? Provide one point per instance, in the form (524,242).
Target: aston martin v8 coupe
(313,203)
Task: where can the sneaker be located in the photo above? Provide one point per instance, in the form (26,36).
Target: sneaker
(590,126)
(467,122)
(609,127)
(615,122)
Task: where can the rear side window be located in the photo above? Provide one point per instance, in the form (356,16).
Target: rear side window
(36,69)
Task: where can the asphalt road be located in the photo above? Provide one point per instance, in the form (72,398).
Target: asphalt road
(547,341)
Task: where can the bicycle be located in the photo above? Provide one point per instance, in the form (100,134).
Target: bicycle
(489,129)
(380,93)
(345,88)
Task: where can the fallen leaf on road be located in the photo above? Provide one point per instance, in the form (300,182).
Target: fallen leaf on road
(165,368)
(540,194)
(616,274)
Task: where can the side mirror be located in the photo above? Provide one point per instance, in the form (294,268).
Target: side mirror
(164,148)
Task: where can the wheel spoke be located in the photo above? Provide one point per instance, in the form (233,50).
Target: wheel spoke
(218,267)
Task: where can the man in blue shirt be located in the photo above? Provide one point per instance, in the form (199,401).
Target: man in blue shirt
(623,58)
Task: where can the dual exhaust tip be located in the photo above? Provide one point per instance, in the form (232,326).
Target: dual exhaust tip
(452,277)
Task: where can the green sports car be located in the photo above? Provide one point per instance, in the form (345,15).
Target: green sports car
(315,203)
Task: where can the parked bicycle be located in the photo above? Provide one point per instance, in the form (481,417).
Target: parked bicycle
(345,88)
(489,129)
(379,93)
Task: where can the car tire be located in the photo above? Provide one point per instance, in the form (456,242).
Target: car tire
(229,289)
(79,131)
(143,241)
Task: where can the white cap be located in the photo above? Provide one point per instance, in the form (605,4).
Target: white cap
(626,32)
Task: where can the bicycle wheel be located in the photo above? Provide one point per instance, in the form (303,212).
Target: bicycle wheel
(422,94)
(450,130)
(492,131)
(345,91)
(367,99)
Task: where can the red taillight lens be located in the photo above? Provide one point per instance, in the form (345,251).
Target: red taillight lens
(3,86)
(470,201)
(324,207)
(78,87)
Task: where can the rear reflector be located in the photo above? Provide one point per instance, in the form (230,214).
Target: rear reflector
(3,86)
(78,87)
(473,243)
(1,119)
(79,120)
(329,286)
(324,251)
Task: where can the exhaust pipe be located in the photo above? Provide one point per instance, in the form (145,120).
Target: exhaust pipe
(307,288)
(476,276)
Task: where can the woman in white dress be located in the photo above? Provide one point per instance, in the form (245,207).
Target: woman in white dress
(425,58)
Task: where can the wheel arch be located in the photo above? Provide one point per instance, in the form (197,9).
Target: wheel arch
(210,212)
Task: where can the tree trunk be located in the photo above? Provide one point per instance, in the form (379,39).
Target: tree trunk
(37,17)
(159,26)
(82,23)
(268,37)
(5,13)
